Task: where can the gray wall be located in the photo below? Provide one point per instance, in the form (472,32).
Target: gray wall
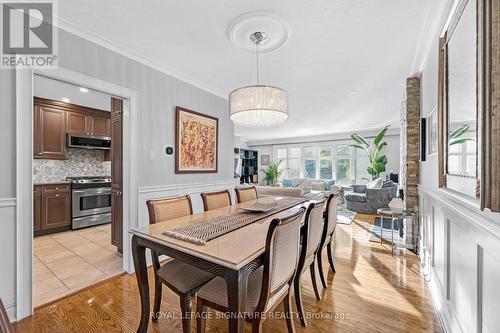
(460,244)
(158,94)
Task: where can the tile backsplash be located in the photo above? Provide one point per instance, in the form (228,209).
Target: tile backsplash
(79,162)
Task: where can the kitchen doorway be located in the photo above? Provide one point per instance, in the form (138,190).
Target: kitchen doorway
(77,187)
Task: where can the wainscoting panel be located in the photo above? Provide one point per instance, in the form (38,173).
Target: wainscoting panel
(8,255)
(461,254)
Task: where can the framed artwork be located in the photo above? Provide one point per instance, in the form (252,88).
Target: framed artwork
(432,132)
(264,159)
(423,139)
(196,142)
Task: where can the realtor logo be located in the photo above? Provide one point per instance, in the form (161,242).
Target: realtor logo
(29,35)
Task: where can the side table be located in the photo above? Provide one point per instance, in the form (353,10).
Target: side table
(394,216)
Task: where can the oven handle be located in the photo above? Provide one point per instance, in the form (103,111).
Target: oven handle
(105,190)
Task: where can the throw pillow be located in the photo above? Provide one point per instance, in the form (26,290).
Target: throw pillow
(288,183)
(329,184)
(388,183)
(376,183)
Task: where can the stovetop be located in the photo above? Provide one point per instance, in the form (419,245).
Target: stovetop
(89,179)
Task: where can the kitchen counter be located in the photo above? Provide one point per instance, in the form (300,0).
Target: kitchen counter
(51,182)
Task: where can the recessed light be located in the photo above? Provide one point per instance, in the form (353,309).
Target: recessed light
(65,99)
(84,90)
(353,92)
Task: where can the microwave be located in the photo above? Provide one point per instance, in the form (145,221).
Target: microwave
(88,141)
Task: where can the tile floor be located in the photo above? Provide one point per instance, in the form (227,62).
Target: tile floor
(69,261)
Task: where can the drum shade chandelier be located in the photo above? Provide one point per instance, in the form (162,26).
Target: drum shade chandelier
(258,105)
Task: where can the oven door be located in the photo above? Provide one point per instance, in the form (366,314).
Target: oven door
(91,201)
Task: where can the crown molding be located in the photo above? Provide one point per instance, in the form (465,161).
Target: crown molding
(131,54)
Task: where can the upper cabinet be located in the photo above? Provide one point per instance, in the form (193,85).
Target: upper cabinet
(88,124)
(53,120)
(49,134)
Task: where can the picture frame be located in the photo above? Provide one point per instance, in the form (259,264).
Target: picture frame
(423,139)
(196,142)
(265,159)
(432,132)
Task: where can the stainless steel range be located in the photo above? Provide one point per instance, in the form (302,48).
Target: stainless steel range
(91,201)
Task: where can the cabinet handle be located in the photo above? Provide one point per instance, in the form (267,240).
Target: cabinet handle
(40,153)
(57,188)
(92,134)
(57,195)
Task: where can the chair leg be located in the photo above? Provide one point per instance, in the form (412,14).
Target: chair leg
(157,301)
(287,304)
(330,256)
(298,300)
(312,269)
(186,312)
(320,268)
(201,312)
(256,325)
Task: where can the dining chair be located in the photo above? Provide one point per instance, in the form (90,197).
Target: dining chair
(214,200)
(181,278)
(245,194)
(329,224)
(5,325)
(269,285)
(311,238)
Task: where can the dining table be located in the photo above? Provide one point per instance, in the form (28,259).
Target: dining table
(232,256)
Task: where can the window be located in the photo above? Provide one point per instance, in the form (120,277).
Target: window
(339,162)
(325,162)
(362,164)
(310,162)
(344,156)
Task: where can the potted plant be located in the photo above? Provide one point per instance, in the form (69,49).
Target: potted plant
(272,173)
(373,149)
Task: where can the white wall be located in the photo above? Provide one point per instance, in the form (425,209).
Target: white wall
(391,150)
(460,244)
(158,94)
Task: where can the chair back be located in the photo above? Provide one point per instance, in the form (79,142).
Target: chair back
(246,194)
(5,325)
(313,228)
(214,200)
(167,209)
(331,213)
(281,257)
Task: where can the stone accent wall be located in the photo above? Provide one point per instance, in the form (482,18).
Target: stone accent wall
(79,162)
(412,138)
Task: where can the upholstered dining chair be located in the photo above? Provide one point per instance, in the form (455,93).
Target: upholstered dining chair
(181,278)
(214,200)
(311,238)
(245,194)
(269,285)
(5,325)
(330,222)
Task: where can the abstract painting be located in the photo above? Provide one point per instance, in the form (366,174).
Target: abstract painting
(196,141)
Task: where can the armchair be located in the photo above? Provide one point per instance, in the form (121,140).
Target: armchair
(367,200)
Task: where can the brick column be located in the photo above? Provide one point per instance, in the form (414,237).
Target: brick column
(412,131)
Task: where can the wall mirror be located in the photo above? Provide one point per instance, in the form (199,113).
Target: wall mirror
(459,118)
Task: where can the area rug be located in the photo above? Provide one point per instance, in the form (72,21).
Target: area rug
(344,215)
(375,236)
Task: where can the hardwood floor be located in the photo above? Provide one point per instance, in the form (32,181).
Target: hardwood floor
(371,292)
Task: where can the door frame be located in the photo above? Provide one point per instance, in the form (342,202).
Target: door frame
(24,176)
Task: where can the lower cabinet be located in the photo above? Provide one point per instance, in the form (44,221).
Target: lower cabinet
(52,209)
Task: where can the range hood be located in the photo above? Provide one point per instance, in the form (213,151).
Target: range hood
(76,140)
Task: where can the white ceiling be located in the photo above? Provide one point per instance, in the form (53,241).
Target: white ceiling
(336,47)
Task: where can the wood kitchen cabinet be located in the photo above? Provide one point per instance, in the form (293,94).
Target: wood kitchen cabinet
(88,124)
(49,133)
(51,208)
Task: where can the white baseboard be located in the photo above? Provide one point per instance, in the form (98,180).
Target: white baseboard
(11,312)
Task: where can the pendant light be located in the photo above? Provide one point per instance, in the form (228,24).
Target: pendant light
(258,105)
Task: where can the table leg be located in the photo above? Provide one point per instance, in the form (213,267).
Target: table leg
(237,297)
(392,237)
(141,272)
(381,228)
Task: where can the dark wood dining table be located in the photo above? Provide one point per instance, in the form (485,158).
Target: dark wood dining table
(232,256)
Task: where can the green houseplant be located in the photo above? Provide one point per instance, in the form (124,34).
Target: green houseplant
(456,135)
(378,161)
(272,173)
